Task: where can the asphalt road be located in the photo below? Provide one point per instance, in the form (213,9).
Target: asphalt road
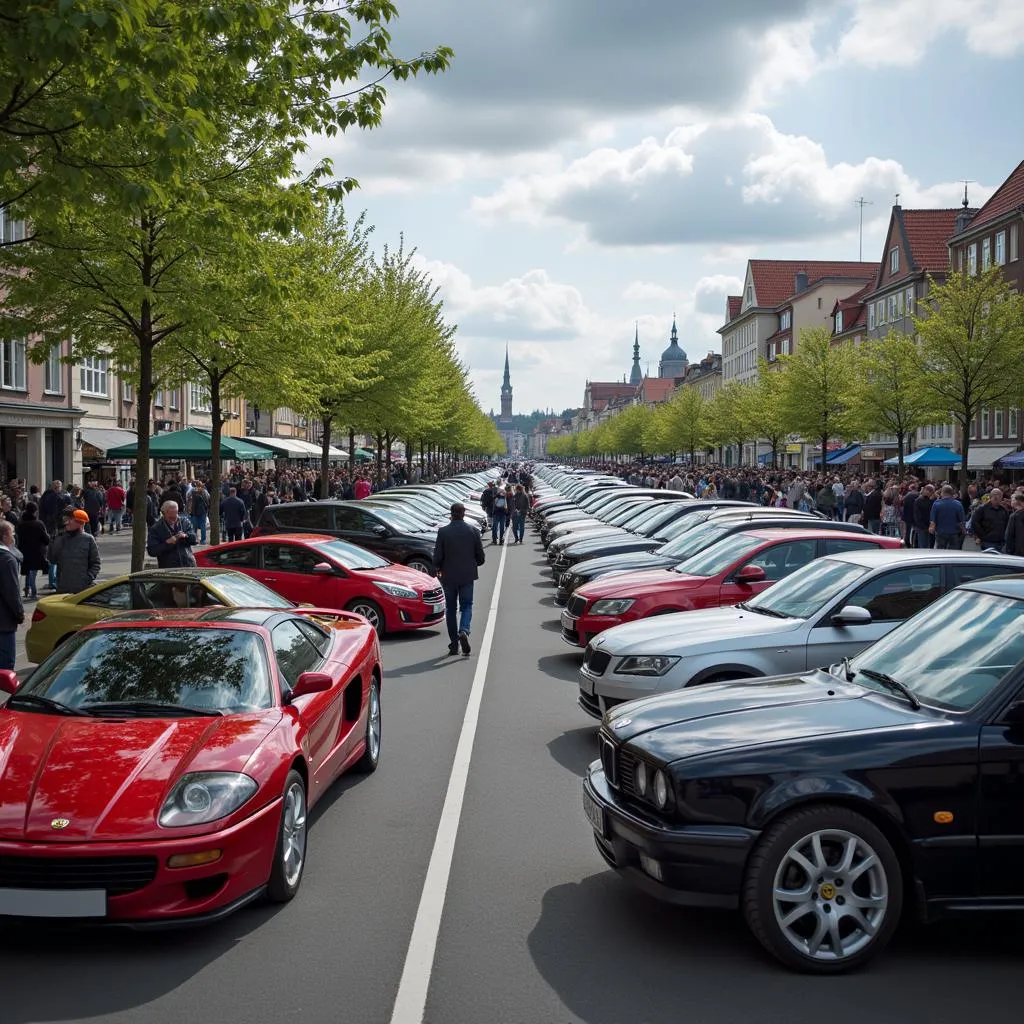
(535,929)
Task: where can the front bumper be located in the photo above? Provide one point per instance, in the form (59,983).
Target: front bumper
(699,865)
(405,614)
(578,632)
(172,895)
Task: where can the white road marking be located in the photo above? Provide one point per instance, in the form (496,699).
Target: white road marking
(411,1001)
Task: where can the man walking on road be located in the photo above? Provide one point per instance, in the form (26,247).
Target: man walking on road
(171,539)
(12,610)
(458,555)
(520,506)
(75,555)
(947,521)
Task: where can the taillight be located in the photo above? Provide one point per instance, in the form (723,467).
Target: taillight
(38,616)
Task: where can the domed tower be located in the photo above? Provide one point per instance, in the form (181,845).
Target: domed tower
(673,359)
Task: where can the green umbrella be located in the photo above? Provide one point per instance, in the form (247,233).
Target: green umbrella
(191,444)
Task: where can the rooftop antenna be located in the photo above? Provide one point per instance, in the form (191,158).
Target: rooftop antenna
(862,202)
(965,182)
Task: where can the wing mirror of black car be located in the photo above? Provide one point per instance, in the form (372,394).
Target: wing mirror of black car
(1014,714)
(851,615)
(380,530)
(323,569)
(8,681)
(751,574)
(310,682)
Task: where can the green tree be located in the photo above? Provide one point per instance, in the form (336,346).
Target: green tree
(626,430)
(763,410)
(727,417)
(816,386)
(971,340)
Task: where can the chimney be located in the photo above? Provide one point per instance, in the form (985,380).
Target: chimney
(802,282)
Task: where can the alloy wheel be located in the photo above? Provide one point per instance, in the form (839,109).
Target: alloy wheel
(369,612)
(293,827)
(373,730)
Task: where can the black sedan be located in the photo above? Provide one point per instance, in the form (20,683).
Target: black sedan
(390,535)
(824,805)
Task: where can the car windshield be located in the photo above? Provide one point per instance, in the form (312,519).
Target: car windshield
(683,525)
(350,556)
(953,653)
(808,590)
(720,556)
(412,516)
(696,538)
(398,521)
(245,592)
(181,666)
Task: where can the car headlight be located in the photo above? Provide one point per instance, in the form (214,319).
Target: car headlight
(645,665)
(201,797)
(612,607)
(396,590)
(660,790)
(640,778)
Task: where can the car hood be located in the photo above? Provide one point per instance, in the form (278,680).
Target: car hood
(592,548)
(109,777)
(638,584)
(400,574)
(725,716)
(627,561)
(688,632)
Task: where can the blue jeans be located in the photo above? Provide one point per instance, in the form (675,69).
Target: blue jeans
(458,599)
(498,524)
(30,581)
(7,650)
(52,575)
(518,525)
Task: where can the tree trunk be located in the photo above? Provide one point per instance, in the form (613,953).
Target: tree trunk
(387,452)
(379,438)
(216,431)
(325,456)
(965,451)
(824,452)
(901,442)
(351,454)
(140,528)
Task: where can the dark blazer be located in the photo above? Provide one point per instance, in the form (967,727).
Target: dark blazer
(458,553)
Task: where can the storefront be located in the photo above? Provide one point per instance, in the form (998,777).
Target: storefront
(95,464)
(37,443)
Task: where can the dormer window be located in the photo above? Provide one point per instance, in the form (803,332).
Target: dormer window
(786,320)
(839,322)
(894,260)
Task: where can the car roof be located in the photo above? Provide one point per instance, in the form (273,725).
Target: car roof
(812,532)
(195,617)
(1003,586)
(871,557)
(275,538)
(184,572)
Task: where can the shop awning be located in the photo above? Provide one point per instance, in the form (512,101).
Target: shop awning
(190,443)
(102,439)
(295,448)
(928,457)
(1015,460)
(985,456)
(844,455)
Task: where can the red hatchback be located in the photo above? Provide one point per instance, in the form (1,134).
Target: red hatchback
(310,568)
(733,570)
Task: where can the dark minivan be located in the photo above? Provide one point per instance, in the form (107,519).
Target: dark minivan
(378,531)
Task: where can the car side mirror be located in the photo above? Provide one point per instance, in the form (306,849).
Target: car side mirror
(310,682)
(851,615)
(323,569)
(9,681)
(1014,714)
(380,531)
(751,574)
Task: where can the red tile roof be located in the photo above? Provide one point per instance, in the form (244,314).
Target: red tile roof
(608,391)
(856,299)
(927,233)
(656,389)
(735,304)
(775,280)
(1008,197)
(787,333)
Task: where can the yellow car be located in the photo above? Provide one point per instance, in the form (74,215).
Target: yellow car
(58,617)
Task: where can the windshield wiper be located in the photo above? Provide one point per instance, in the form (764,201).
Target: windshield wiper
(35,700)
(158,707)
(893,684)
(763,611)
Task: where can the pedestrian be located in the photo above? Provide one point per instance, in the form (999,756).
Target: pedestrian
(115,507)
(989,521)
(33,540)
(233,515)
(199,509)
(520,506)
(487,501)
(170,539)
(92,502)
(75,555)
(947,521)
(51,508)
(873,508)
(499,516)
(12,610)
(458,555)
(1013,542)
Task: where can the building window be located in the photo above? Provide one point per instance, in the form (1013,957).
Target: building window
(12,365)
(158,398)
(53,383)
(935,430)
(1014,242)
(786,320)
(1012,424)
(839,321)
(974,429)
(173,398)
(127,392)
(94,376)
(972,258)
(1000,248)
(910,301)
(894,261)
(199,398)
(986,253)
(11,230)
(871,317)
(984,423)
(998,423)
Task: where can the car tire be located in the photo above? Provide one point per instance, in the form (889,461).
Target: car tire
(421,565)
(290,850)
(852,906)
(367,764)
(371,611)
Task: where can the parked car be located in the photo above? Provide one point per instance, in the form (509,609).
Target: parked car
(830,609)
(332,573)
(733,570)
(376,530)
(821,804)
(161,767)
(58,617)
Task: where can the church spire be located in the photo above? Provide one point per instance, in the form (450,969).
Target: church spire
(636,376)
(506,392)
(674,337)
(506,383)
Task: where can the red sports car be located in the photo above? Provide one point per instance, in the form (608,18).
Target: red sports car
(159,768)
(308,568)
(733,570)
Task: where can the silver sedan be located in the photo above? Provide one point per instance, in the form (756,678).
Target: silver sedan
(830,609)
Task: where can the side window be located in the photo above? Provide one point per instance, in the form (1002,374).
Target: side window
(288,558)
(841,544)
(293,651)
(900,594)
(168,594)
(318,637)
(237,558)
(117,597)
(346,518)
(278,518)
(314,516)
(780,560)
(961,573)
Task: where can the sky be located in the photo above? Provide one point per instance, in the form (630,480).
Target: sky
(590,165)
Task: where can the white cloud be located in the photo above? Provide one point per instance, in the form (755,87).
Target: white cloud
(646,291)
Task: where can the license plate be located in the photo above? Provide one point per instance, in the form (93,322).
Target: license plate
(53,902)
(436,609)
(586,683)
(569,622)
(595,815)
